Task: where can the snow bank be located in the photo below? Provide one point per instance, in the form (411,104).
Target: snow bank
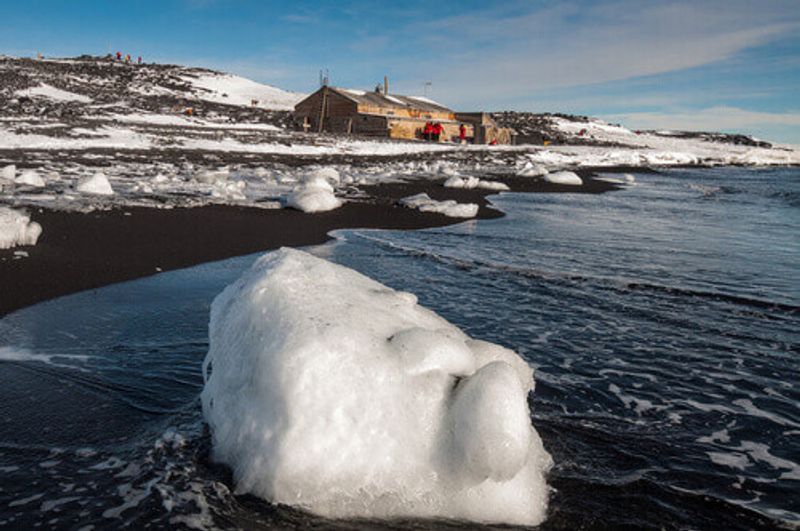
(563,177)
(473,182)
(16,228)
(235,90)
(96,184)
(424,203)
(52,93)
(329,391)
(315,192)
(30,178)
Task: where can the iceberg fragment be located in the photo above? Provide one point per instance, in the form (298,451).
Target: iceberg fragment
(331,392)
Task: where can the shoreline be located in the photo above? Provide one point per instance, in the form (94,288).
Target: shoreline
(83,251)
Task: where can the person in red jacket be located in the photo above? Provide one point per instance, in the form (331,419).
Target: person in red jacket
(119,56)
(462,134)
(427,131)
(437,131)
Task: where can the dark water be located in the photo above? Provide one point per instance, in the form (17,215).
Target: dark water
(663,322)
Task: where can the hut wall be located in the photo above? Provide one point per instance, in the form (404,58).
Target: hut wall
(365,124)
(337,107)
(406,113)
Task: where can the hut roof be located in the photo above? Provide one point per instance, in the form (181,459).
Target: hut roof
(391,100)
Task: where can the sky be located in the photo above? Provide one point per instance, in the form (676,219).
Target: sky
(729,65)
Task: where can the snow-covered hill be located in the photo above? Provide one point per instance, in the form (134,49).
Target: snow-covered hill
(93,88)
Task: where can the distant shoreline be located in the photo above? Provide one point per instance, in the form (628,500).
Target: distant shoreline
(82,251)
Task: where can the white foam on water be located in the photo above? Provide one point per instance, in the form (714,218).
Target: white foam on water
(721,436)
(331,392)
(760,452)
(24,355)
(730,459)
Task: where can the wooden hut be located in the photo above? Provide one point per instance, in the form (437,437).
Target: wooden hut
(486,129)
(378,113)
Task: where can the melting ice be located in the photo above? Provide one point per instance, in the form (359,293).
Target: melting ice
(329,391)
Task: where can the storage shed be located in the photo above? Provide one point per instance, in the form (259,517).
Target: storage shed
(349,111)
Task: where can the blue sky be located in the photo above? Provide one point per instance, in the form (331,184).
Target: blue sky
(717,65)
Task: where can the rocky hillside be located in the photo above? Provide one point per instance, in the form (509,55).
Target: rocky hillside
(538,128)
(100,87)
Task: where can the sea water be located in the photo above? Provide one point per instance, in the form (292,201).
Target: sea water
(662,320)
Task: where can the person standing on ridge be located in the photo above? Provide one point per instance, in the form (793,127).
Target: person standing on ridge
(462,134)
(119,56)
(139,60)
(127,59)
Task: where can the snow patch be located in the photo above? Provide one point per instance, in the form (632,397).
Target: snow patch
(235,90)
(16,228)
(52,93)
(451,208)
(329,391)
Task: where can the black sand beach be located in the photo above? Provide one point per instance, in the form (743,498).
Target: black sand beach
(80,251)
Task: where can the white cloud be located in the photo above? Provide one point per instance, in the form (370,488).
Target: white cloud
(710,119)
(490,57)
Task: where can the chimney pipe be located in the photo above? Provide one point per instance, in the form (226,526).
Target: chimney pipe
(386,85)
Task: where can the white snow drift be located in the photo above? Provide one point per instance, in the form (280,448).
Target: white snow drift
(235,90)
(315,192)
(96,184)
(329,391)
(451,208)
(16,228)
(46,91)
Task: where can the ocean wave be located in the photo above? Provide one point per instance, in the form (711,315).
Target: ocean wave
(597,281)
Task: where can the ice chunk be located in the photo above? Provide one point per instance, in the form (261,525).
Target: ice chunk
(563,177)
(473,182)
(8,173)
(532,170)
(328,391)
(16,228)
(451,208)
(327,173)
(96,184)
(212,177)
(314,194)
(30,178)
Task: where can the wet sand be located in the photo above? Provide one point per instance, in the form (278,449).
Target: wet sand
(80,251)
